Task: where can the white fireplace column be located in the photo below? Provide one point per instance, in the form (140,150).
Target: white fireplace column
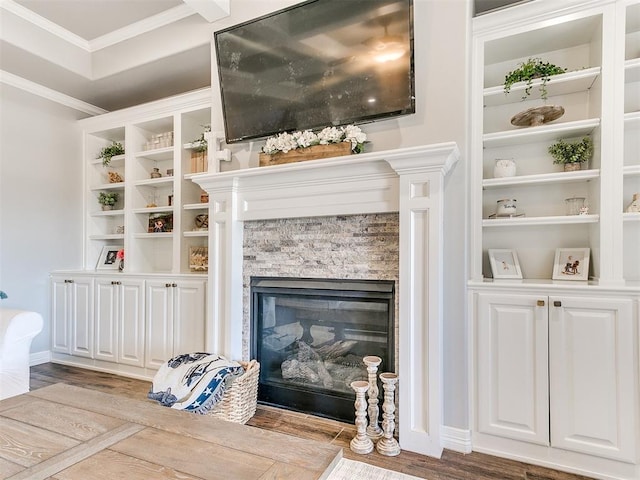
(409,181)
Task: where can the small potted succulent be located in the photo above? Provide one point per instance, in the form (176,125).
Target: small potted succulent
(530,70)
(108,199)
(572,155)
(112,150)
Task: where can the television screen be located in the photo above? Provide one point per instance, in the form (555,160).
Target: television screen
(316,64)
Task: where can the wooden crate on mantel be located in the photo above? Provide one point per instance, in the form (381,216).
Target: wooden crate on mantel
(303,154)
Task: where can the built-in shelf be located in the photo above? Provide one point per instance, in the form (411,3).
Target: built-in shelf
(529,221)
(631,119)
(154,182)
(566,83)
(163,235)
(197,233)
(165,153)
(115,161)
(107,213)
(108,186)
(160,209)
(114,236)
(544,133)
(631,170)
(631,217)
(632,70)
(558,177)
(196,206)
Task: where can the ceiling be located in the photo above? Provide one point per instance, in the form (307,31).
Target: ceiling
(108,54)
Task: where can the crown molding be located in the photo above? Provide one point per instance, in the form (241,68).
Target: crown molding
(143,26)
(49,94)
(43,23)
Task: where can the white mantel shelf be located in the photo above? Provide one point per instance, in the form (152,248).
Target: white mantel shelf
(407,180)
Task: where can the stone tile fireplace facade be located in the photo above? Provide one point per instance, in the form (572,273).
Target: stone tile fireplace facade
(351,247)
(409,181)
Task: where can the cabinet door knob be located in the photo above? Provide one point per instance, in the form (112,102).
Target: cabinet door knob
(540,303)
(557,303)
(68,281)
(167,285)
(174,285)
(118,283)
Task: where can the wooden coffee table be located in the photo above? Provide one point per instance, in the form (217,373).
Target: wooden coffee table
(70,433)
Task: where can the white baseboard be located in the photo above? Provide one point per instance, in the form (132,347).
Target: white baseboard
(39,358)
(456,439)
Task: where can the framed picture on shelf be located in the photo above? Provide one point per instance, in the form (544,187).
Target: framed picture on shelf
(504,263)
(199,259)
(160,222)
(108,259)
(571,264)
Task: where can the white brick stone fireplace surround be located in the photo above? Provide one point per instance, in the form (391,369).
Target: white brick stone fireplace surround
(409,181)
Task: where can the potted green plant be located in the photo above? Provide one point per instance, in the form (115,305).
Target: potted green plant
(112,150)
(108,199)
(530,70)
(200,144)
(571,155)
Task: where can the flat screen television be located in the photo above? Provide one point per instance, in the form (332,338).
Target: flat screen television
(318,63)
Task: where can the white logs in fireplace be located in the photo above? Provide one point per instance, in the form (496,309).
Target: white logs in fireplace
(409,181)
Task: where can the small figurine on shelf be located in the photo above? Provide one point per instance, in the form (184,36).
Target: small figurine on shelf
(634,206)
(156,173)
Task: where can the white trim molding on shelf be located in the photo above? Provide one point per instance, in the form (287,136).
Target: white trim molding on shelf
(532,221)
(549,132)
(556,177)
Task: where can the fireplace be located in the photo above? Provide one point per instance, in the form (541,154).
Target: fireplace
(409,181)
(310,336)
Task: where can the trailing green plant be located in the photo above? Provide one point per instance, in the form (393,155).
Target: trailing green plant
(200,144)
(108,198)
(530,70)
(578,152)
(3,295)
(112,150)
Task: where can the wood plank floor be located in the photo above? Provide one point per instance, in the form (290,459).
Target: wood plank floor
(452,465)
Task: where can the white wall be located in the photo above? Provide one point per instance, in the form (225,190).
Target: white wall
(441,37)
(40,201)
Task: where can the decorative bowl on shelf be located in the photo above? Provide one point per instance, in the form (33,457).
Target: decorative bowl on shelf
(534,117)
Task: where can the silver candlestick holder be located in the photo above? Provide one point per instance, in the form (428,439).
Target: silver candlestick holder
(361,443)
(388,445)
(373,429)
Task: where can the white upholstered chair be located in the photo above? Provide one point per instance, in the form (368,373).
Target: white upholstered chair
(17,329)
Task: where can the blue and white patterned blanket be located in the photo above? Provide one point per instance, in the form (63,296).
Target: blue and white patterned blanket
(193,381)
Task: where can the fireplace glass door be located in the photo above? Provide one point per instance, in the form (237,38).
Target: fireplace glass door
(310,336)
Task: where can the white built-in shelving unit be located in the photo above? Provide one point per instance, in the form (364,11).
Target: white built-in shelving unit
(550,357)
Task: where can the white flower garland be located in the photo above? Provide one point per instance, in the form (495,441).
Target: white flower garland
(284,142)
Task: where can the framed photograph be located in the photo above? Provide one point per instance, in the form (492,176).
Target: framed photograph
(160,223)
(108,258)
(504,264)
(571,264)
(199,259)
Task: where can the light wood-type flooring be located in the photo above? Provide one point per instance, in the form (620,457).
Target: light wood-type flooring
(452,465)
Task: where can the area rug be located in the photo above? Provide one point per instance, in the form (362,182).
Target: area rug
(352,470)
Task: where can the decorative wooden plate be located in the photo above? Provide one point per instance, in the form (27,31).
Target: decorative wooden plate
(537,116)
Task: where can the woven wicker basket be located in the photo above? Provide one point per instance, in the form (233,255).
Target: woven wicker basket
(239,401)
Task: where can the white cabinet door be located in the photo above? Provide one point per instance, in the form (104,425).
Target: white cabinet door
(190,316)
(159,322)
(106,320)
(82,317)
(512,358)
(60,316)
(594,400)
(131,323)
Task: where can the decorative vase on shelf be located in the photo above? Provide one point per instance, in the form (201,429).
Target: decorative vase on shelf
(107,207)
(121,265)
(504,167)
(156,173)
(634,206)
